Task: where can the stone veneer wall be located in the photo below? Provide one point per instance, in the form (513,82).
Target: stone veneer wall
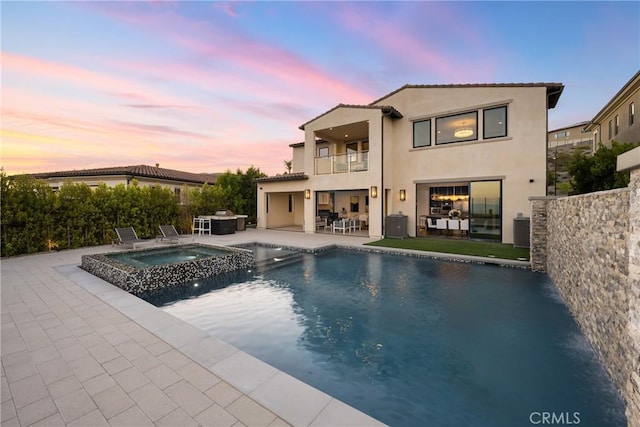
(590,247)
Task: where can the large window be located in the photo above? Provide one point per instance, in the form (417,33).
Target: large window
(422,133)
(323,151)
(494,122)
(457,128)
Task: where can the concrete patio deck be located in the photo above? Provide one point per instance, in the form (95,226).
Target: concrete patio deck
(77,351)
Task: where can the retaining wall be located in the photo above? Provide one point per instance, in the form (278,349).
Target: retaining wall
(590,247)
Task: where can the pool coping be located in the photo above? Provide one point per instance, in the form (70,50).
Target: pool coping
(441,256)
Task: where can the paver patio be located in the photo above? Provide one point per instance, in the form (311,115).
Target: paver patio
(78,351)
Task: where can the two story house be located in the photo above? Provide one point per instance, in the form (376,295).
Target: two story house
(423,151)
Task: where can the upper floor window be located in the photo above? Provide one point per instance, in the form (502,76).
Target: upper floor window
(323,151)
(422,133)
(616,126)
(494,122)
(632,113)
(457,128)
(610,129)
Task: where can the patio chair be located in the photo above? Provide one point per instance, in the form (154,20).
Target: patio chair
(441,225)
(169,233)
(341,224)
(127,236)
(464,226)
(321,223)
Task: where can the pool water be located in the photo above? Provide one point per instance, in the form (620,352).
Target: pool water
(413,341)
(169,255)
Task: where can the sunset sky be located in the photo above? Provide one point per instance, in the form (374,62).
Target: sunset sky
(209,86)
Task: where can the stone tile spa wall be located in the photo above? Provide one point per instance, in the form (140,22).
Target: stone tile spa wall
(139,280)
(590,247)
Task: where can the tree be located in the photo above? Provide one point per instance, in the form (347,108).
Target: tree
(288,164)
(26,217)
(250,192)
(598,172)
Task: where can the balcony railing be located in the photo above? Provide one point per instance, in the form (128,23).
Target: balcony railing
(342,163)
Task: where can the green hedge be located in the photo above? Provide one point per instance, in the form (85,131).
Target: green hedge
(35,219)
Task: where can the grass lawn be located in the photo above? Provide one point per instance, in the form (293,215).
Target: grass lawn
(460,247)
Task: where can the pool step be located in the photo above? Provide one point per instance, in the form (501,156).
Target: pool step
(277,261)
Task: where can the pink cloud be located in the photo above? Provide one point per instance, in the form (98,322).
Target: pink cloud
(268,64)
(59,73)
(421,47)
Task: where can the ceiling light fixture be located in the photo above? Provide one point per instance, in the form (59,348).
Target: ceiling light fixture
(463,132)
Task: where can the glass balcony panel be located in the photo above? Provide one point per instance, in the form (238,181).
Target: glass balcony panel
(342,163)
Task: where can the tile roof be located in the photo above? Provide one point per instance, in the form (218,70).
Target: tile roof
(134,171)
(554,90)
(296,176)
(385,109)
(575,125)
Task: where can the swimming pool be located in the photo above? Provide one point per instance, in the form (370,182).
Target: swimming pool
(413,341)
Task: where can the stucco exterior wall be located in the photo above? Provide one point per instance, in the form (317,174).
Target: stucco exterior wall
(278,214)
(298,160)
(519,159)
(349,181)
(619,106)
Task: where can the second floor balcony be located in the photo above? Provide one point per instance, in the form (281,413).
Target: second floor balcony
(342,163)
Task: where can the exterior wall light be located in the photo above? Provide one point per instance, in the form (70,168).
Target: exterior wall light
(307,194)
(403,195)
(374,191)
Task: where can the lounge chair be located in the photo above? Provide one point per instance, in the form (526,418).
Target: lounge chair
(169,233)
(127,236)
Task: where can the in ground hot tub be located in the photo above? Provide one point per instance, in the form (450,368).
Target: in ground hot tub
(145,270)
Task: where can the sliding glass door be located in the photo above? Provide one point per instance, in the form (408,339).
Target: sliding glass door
(486,210)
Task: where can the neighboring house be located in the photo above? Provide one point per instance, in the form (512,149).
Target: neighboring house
(574,135)
(561,145)
(143,174)
(618,119)
(422,150)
